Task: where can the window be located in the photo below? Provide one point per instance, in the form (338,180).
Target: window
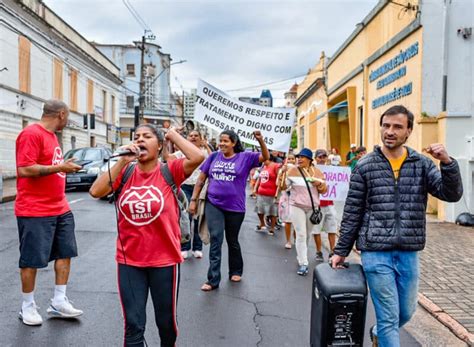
(58,79)
(130,101)
(94,154)
(105,116)
(73,142)
(24,67)
(112,108)
(90,96)
(130,69)
(73,90)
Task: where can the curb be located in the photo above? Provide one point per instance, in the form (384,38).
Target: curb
(8,198)
(452,324)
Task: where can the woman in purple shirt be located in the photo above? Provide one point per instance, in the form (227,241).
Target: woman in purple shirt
(227,171)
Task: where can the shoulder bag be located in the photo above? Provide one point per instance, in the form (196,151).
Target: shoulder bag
(317,216)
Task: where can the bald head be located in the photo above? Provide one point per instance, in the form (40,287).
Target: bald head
(51,108)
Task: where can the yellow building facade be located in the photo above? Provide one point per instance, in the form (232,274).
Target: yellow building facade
(380,65)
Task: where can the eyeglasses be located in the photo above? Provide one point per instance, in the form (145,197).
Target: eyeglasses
(321,156)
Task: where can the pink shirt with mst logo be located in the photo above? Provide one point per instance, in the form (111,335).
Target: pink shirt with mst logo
(148,218)
(39,196)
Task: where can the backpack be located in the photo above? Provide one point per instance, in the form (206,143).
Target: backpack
(184,220)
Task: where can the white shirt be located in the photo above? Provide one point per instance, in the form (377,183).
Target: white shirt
(191,180)
(334,159)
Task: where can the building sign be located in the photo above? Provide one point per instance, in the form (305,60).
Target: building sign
(392,77)
(395,94)
(220,111)
(398,60)
(387,67)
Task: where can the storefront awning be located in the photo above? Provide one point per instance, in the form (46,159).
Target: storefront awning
(338,107)
(335,109)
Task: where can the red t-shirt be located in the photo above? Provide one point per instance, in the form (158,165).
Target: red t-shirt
(148,218)
(324,203)
(39,196)
(268,177)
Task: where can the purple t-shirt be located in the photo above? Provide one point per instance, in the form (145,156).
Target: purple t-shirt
(227,179)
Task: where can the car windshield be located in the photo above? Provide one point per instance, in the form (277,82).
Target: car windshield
(93,154)
(74,154)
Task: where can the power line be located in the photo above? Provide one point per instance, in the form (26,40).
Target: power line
(135,15)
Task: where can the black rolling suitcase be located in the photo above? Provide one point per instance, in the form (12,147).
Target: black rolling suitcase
(338,306)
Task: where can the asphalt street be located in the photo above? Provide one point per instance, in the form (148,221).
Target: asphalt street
(270,307)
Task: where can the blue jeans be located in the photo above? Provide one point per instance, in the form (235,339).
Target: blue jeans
(392,277)
(222,222)
(195,239)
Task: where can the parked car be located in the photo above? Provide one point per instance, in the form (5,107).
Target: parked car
(92,160)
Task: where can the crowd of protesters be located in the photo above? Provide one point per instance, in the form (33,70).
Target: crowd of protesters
(289,190)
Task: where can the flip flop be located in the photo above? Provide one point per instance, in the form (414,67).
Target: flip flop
(207,287)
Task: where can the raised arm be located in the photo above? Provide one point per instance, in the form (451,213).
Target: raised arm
(193,154)
(265,154)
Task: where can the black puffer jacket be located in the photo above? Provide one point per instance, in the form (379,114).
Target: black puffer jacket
(387,214)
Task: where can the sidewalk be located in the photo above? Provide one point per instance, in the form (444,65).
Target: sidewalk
(447,277)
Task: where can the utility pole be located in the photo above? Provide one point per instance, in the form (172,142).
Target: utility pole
(141,98)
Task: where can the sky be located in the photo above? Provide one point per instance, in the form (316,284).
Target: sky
(231,44)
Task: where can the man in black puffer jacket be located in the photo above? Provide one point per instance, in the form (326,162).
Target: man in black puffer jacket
(385,215)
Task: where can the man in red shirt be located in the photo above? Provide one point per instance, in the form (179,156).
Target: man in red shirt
(329,221)
(266,189)
(45,221)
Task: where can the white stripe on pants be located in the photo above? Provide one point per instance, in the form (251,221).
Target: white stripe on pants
(303,228)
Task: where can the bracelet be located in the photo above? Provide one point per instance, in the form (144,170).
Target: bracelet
(193,199)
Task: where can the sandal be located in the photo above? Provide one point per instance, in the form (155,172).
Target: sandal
(207,287)
(288,245)
(235,278)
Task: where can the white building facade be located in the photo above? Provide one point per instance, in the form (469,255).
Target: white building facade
(42,58)
(159,105)
(448,77)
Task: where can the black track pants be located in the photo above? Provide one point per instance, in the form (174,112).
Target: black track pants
(134,285)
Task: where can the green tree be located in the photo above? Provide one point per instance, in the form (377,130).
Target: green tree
(294,140)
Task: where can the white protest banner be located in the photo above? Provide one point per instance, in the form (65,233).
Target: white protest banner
(337,179)
(220,112)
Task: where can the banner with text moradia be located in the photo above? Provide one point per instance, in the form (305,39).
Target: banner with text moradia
(220,112)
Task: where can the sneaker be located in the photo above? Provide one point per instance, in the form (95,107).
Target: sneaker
(63,310)
(373,337)
(185,254)
(302,270)
(319,256)
(30,316)
(197,254)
